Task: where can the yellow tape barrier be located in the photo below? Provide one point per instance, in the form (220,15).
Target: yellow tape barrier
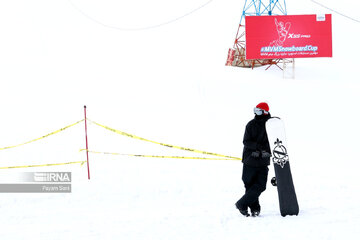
(44,165)
(163,144)
(156,156)
(222,157)
(47,135)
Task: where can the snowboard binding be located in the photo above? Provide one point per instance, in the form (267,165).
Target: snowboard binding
(273,181)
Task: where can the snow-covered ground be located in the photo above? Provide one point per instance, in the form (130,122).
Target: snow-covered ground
(169,84)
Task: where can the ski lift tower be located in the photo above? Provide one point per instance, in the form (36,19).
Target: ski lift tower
(236,55)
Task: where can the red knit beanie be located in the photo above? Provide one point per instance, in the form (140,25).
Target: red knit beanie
(264,106)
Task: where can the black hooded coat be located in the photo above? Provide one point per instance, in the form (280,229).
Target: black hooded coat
(255,139)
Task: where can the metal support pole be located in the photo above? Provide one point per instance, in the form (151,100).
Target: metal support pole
(87,149)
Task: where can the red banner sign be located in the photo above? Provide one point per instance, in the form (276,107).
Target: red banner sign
(288,36)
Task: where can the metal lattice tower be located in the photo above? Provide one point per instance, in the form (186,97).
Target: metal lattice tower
(253,8)
(260,8)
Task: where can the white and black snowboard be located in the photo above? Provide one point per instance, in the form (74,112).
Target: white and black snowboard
(285,186)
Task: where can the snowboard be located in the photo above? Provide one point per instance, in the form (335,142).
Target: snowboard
(287,197)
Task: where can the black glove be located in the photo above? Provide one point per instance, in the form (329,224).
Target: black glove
(255,154)
(265,154)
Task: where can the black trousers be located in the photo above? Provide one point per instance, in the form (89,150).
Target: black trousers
(255,179)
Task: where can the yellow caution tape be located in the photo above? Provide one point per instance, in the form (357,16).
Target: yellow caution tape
(162,144)
(156,156)
(44,165)
(47,135)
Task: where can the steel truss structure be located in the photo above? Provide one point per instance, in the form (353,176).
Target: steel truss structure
(236,55)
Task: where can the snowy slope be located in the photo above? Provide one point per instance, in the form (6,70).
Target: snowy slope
(169,84)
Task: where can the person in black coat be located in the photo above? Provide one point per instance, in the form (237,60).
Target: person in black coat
(256,159)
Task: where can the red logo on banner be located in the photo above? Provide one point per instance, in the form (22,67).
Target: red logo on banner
(288,36)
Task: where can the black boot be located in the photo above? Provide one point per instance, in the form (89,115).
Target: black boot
(255,209)
(243,210)
(255,213)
